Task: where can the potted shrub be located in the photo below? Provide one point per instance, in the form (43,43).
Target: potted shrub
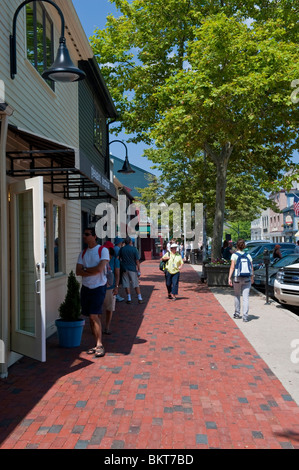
(70,325)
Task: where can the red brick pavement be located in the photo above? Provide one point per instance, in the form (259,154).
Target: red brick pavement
(176,375)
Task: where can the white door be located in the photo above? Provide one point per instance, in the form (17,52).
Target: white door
(28,319)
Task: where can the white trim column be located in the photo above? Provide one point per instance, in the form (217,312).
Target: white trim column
(4,267)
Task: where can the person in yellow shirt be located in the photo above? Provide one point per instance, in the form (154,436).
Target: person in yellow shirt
(172,271)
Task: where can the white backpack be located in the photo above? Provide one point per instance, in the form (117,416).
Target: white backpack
(243,266)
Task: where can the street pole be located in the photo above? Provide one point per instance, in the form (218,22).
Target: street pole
(267,262)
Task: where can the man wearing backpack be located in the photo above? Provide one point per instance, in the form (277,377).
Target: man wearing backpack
(241,269)
(91,265)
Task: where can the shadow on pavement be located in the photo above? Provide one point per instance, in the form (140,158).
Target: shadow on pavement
(29,382)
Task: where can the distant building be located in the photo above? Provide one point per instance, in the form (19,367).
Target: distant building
(139,179)
(260,227)
(281,225)
(148,247)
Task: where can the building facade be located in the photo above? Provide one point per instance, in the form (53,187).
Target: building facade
(281,225)
(260,226)
(276,217)
(46,172)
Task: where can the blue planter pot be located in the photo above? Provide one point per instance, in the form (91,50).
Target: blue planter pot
(69,332)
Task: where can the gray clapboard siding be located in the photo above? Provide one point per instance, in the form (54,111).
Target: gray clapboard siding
(37,107)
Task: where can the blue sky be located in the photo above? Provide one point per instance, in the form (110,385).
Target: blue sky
(93,14)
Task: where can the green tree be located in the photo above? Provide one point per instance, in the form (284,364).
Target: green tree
(191,77)
(239,229)
(234,102)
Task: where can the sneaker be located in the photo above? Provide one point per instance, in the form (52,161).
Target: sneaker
(119,298)
(236,315)
(245,319)
(129,301)
(140,301)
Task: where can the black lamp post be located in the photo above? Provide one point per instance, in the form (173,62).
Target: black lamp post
(63,69)
(126,166)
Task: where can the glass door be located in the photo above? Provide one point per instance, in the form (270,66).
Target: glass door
(28,319)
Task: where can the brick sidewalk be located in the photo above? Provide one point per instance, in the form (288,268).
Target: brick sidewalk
(175,375)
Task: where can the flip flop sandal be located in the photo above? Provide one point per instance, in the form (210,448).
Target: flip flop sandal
(91,351)
(107,332)
(100,351)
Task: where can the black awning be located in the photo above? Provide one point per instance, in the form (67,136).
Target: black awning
(59,165)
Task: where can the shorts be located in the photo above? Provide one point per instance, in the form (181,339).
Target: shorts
(109,302)
(92,300)
(130,276)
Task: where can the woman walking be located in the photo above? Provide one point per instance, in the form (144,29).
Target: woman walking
(241,269)
(172,271)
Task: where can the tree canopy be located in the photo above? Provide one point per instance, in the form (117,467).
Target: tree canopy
(210,90)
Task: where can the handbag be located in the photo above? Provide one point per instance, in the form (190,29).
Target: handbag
(162,265)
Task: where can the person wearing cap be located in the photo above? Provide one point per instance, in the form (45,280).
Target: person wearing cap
(129,260)
(117,246)
(172,271)
(112,289)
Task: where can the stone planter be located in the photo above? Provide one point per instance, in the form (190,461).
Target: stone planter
(217,275)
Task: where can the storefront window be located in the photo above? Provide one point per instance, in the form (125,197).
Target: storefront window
(53,239)
(99,128)
(57,236)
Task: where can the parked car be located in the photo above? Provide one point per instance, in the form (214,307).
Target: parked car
(257,253)
(253,244)
(286,285)
(274,267)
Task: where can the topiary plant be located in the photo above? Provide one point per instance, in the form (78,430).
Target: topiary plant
(70,309)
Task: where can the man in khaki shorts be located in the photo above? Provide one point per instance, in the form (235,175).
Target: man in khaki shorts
(129,258)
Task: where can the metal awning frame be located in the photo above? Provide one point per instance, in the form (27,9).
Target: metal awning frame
(63,177)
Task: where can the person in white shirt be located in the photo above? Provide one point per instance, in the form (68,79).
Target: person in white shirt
(91,265)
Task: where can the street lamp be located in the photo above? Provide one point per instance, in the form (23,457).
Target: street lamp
(126,166)
(63,69)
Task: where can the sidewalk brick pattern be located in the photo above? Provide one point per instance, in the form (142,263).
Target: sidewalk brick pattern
(176,375)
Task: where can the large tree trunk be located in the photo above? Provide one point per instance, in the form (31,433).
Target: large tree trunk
(221,162)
